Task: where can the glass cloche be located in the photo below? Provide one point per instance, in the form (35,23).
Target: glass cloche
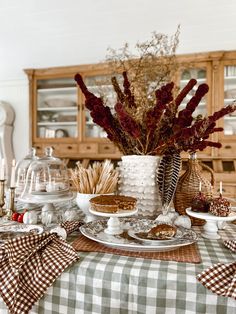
(21,170)
(47,179)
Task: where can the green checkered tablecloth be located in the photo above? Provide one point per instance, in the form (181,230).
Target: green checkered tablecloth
(106,283)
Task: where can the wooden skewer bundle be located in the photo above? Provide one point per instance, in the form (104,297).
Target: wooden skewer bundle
(100,178)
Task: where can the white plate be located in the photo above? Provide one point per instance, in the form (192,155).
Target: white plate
(30,198)
(94,230)
(10,231)
(51,193)
(120,213)
(210,216)
(134,234)
(210,228)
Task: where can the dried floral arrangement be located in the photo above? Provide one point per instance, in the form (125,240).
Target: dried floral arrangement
(146,118)
(151,64)
(98,178)
(164,129)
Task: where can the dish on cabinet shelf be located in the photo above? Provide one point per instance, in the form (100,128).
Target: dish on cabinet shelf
(201,74)
(61,133)
(230,93)
(58,102)
(228,129)
(230,70)
(186,75)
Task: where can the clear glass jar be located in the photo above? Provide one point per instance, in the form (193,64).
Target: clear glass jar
(47,178)
(21,170)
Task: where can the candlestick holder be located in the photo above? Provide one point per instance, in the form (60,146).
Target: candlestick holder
(11,208)
(2,196)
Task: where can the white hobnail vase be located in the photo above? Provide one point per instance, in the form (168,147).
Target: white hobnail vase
(137,178)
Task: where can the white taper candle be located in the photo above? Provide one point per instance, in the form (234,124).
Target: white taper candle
(13,174)
(2,169)
(220,187)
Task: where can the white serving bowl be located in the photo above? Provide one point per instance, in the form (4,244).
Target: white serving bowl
(83,203)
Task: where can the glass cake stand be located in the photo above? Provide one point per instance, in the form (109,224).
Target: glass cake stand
(49,213)
(211,225)
(114,226)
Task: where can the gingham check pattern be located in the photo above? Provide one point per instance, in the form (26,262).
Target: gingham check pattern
(105,283)
(231,244)
(71,226)
(221,278)
(29,265)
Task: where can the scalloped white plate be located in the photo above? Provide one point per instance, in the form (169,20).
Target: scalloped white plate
(8,232)
(94,230)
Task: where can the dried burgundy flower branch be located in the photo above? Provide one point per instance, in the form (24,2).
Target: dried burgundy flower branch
(117,89)
(185,117)
(127,123)
(184,92)
(168,119)
(127,92)
(102,115)
(164,130)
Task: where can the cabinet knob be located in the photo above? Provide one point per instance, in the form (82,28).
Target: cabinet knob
(106,147)
(88,147)
(69,147)
(228,146)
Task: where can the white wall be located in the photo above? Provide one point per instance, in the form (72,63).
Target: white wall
(49,33)
(15,92)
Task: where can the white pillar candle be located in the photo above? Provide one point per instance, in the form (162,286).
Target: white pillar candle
(200,186)
(13,174)
(2,169)
(220,187)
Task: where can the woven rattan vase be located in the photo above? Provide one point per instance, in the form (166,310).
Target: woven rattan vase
(188,187)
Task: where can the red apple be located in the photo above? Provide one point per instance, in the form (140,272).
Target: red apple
(15,216)
(20,217)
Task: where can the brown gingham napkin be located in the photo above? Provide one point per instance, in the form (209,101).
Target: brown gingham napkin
(221,278)
(30,264)
(230,244)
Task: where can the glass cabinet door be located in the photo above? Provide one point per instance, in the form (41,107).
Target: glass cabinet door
(229,97)
(56,108)
(100,86)
(200,74)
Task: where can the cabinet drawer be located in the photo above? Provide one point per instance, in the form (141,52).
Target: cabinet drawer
(227,150)
(88,148)
(67,148)
(106,149)
(40,148)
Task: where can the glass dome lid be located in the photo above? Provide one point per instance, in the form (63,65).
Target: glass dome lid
(47,177)
(21,170)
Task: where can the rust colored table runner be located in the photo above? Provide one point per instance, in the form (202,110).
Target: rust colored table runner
(186,254)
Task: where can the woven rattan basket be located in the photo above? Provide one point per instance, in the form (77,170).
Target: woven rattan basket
(188,187)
